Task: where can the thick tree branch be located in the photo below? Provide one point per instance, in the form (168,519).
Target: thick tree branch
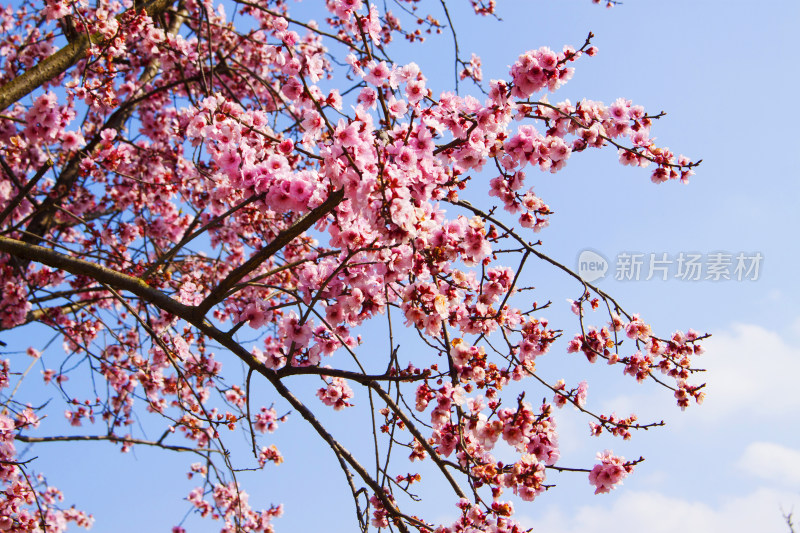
(59,62)
(44,71)
(73,265)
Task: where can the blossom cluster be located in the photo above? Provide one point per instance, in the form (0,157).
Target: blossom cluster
(336,394)
(609,473)
(187,175)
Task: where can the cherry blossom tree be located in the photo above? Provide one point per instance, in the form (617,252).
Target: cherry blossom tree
(180,177)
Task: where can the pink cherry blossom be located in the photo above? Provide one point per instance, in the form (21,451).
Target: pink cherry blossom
(609,474)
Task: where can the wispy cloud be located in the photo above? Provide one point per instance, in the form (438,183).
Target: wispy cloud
(653,512)
(751,370)
(772,462)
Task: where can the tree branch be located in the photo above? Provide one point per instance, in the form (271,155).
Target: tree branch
(281,240)
(112,438)
(58,63)
(73,265)
(422,440)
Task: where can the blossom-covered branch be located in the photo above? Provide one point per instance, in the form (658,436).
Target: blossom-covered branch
(172,177)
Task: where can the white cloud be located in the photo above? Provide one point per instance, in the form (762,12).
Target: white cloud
(772,461)
(653,512)
(751,370)
(775,295)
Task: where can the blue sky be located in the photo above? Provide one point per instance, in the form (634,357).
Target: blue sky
(727,74)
